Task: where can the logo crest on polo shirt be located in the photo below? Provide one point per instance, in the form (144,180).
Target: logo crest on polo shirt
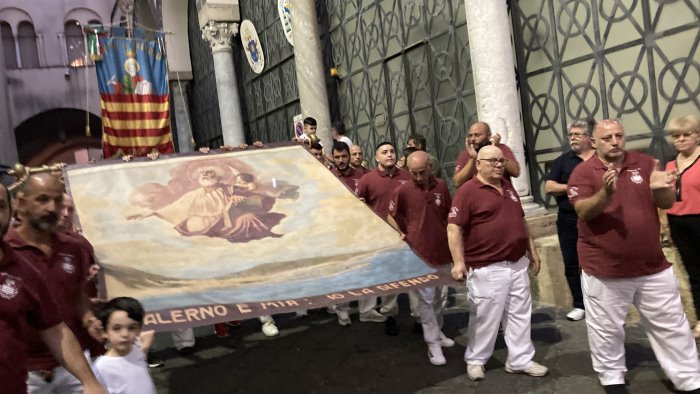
(391,206)
(67,263)
(453,212)
(438,199)
(402,181)
(357,182)
(512,196)
(8,290)
(636,177)
(572,192)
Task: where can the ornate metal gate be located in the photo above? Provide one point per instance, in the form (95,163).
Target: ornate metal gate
(636,60)
(403,66)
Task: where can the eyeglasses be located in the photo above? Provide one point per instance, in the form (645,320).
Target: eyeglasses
(494,162)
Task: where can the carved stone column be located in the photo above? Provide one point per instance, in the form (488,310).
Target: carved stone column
(311,78)
(182,116)
(493,68)
(218,35)
(8,145)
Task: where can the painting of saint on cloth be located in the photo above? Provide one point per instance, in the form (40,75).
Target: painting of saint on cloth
(243,231)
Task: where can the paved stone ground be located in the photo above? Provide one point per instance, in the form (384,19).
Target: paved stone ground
(316,355)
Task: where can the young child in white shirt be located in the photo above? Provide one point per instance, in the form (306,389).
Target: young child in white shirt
(123,369)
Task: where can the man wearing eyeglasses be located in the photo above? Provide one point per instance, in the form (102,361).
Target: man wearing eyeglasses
(478,137)
(487,233)
(562,167)
(616,195)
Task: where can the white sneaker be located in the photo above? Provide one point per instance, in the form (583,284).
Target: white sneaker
(344,318)
(475,372)
(302,313)
(332,309)
(534,369)
(576,314)
(445,341)
(435,355)
(372,316)
(270,329)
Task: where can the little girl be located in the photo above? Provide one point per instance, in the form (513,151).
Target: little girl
(123,369)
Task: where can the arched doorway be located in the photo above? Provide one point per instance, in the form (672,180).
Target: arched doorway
(58,135)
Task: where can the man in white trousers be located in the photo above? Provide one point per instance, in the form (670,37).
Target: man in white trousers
(487,232)
(418,210)
(616,195)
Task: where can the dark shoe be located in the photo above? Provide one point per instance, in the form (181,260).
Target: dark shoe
(615,389)
(221,330)
(390,327)
(186,351)
(234,324)
(154,362)
(417,328)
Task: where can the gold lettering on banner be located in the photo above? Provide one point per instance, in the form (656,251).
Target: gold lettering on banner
(160,319)
(149,319)
(177,317)
(243,308)
(220,310)
(192,314)
(335,296)
(207,310)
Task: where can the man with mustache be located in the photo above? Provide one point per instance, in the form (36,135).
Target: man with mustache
(616,195)
(562,167)
(62,262)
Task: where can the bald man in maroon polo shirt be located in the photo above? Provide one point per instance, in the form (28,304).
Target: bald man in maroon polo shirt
(27,302)
(480,135)
(63,264)
(418,210)
(487,233)
(616,194)
(376,189)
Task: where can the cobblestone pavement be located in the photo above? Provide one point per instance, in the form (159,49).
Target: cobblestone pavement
(316,355)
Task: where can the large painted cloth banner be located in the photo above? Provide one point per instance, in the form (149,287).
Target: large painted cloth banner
(133,84)
(207,238)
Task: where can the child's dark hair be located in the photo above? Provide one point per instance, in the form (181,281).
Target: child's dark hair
(131,306)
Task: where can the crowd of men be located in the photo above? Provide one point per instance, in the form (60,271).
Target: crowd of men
(607,225)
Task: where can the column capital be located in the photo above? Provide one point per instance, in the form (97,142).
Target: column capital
(218,35)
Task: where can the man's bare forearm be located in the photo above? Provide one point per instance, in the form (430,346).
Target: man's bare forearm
(461,176)
(589,208)
(454,241)
(513,168)
(555,188)
(66,350)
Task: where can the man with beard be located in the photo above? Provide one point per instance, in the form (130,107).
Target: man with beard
(562,167)
(357,161)
(487,233)
(616,195)
(418,210)
(478,137)
(61,262)
(376,189)
(351,178)
(341,166)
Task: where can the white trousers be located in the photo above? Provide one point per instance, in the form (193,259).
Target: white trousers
(658,301)
(183,338)
(62,382)
(431,305)
(390,304)
(500,294)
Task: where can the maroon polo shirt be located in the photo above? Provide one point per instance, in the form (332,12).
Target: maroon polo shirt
(65,272)
(464,157)
(25,301)
(351,180)
(623,241)
(493,225)
(377,188)
(421,213)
